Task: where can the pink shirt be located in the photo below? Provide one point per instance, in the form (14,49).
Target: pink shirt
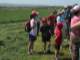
(75,31)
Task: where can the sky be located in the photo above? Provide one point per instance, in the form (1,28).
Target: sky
(41,2)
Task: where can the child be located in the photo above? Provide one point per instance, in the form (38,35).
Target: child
(58,38)
(46,34)
(52,19)
(32,34)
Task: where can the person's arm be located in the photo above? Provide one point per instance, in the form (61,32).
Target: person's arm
(76,25)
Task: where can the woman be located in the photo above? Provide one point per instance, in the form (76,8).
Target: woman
(32,33)
(75,33)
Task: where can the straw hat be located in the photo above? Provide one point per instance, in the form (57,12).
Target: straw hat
(60,12)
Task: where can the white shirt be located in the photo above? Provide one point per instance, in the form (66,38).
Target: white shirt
(33,24)
(58,19)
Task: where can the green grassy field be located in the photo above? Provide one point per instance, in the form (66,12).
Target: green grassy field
(14,39)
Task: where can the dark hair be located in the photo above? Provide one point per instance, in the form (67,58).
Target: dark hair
(32,16)
(76,13)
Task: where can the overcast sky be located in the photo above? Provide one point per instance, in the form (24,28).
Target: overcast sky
(41,2)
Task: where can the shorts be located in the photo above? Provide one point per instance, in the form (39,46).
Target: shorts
(75,47)
(57,47)
(46,38)
(32,38)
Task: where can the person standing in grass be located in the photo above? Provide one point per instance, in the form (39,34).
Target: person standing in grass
(58,34)
(36,13)
(32,33)
(67,20)
(58,39)
(45,34)
(52,19)
(75,33)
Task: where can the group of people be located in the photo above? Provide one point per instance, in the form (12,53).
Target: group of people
(65,21)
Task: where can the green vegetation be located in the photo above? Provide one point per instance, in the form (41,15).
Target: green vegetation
(14,39)
(18,14)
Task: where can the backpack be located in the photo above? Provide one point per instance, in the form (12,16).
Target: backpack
(27,26)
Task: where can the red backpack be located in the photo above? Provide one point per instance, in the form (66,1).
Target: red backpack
(27,26)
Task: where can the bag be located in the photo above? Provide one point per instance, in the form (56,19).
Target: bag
(27,26)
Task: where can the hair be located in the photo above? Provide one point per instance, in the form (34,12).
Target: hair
(76,13)
(32,16)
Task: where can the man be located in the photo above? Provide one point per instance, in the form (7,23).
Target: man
(67,20)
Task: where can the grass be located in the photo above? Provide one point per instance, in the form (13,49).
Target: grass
(17,15)
(14,39)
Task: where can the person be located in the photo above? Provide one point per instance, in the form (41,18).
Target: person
(60,17)
(52,19)
(32,34)
(58,39)
(46,34)
(75,33)
(37,17)
(67,20)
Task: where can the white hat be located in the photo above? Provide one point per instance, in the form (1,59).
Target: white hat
(60,12)
(75,8)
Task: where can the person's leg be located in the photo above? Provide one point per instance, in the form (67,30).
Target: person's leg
(57,48)
(49,44)
(74,47)
(74,52)
(77,50)
(68,31)
(44,42)
(31,44)
(44,46)
(31,47)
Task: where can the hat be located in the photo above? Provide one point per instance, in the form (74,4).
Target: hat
(60,12)
(75,8)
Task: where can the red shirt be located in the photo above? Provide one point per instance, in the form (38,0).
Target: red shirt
(44,21)
(52,19)
(58,34)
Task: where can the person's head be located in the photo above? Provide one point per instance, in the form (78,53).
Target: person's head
(69,7)
(44,20)
(76,10)
(32,17)
(33,11)
(54,12)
